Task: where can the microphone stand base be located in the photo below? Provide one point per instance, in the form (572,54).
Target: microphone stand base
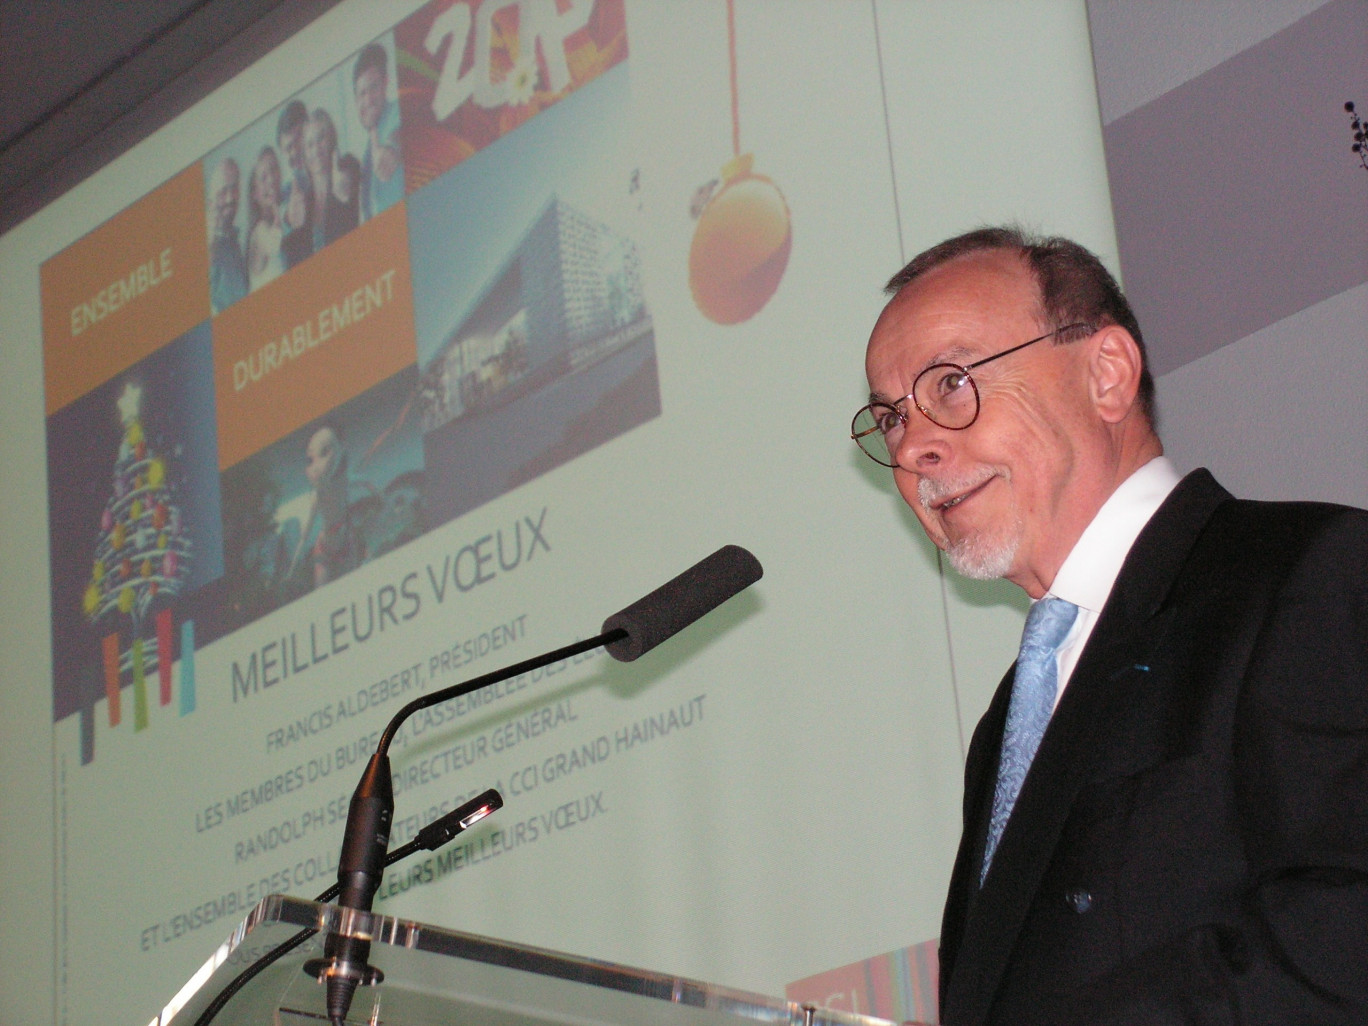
(319,969)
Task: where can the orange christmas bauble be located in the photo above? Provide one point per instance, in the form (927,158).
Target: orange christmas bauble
(740,246)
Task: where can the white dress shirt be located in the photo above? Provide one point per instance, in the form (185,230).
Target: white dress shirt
(1091,568)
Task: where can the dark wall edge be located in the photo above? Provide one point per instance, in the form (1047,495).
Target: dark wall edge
(142,95)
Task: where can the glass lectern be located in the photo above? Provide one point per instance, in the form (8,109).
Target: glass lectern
(437,977)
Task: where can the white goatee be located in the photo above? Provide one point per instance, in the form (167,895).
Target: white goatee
(979,556)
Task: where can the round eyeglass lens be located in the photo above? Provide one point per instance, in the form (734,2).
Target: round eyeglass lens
(876,429)
(947,394)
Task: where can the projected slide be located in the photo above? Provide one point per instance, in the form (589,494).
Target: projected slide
(438,335)
(340,432)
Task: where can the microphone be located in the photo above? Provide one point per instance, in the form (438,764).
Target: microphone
(344,966)
(360,866)
(626,636)
(679,602)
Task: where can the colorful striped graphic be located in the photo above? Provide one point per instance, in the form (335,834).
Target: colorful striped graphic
(187,699)
(164,655)
(900,985)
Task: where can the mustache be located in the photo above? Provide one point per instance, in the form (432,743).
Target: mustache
(931,491)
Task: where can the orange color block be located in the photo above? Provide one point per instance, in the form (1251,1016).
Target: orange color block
(135,283)
(331,328)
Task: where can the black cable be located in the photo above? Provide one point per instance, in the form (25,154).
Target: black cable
(251,972)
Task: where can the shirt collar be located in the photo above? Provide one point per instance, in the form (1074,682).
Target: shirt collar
(1091,568)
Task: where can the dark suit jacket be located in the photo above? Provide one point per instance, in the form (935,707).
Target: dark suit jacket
(1191,843)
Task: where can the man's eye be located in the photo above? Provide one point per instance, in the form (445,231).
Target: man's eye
(949,382)
(888,419)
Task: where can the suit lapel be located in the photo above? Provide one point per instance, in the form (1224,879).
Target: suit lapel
(1108,676)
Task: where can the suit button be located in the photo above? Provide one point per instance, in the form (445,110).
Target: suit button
(1079,900)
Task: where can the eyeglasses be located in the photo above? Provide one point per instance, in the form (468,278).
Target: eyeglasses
(946,395)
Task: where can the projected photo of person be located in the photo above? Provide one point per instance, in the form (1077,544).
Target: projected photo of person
(266,219)
(382,166)
(296,193)
(227,262)
(323,500)
(335,546)
(347,184)
(329,217)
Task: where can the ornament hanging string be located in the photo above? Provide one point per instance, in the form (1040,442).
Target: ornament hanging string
(735,100)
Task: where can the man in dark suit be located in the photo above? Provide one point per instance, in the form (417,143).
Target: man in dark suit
(1166,803)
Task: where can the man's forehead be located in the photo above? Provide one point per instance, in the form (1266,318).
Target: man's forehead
(956,310)
(984,283)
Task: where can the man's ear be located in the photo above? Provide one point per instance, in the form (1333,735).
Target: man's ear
(1114,368)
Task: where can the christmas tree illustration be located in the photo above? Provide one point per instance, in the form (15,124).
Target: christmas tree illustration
(141,561)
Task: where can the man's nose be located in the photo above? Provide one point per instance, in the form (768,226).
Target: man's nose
(923,443)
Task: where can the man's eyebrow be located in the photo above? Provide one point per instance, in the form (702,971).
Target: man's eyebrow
(959,355)
(879,397)
(956,354)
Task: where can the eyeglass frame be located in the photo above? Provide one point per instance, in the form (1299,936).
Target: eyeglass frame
(963,369)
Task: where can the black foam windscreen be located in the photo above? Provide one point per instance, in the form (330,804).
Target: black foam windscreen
(680,601)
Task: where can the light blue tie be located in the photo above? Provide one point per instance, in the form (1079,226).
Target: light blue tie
(1028,714)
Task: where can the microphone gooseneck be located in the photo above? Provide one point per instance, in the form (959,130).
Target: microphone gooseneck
(626,636)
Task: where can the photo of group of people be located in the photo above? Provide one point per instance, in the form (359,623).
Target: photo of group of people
(301,177)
